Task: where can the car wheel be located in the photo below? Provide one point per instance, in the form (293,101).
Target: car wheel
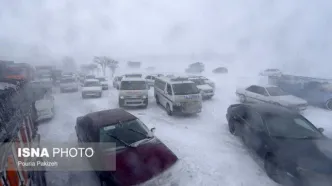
(232,127)
(242,98)
(272,169)
(157,100)
(168,110)
(120,103)
(329,104)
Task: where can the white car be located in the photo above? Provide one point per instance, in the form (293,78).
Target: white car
(45,80)
(44,104)
(92,88)
(206,90)
(206,80)
(271,72)
(133,92)
(68,84)
(272,95)
(150,79)
(104,83)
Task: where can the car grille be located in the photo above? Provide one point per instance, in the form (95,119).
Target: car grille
(133,97)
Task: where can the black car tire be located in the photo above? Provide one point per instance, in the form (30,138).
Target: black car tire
(157,100)
(121,103)
(271,168)
(232,127)
(168,110)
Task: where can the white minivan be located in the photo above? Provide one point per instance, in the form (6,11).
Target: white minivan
(177,95)
(133,92)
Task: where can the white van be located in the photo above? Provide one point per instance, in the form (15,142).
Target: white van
(178,95)
(133,92)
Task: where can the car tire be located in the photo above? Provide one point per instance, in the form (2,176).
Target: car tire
(168,110)
(157,100)
(232,127)
(121,103)
(242,98)
(271,168)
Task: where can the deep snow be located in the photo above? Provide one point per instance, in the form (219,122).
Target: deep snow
(208,154)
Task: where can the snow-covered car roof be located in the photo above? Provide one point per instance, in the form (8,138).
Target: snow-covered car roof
(132,79)
(91,80)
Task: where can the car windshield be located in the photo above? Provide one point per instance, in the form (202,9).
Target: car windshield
(276,91)
(69,80)
(134,75)
(128,131)
(91,84)
(198,81)
(133,85)
(294,126)
(185,88)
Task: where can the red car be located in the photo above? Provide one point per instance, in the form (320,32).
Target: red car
(138,155)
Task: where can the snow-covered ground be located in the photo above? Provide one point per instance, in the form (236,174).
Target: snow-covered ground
(208,154)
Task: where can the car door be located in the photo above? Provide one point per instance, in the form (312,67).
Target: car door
(251,94)
(254,131)
(168,95)
(256,94)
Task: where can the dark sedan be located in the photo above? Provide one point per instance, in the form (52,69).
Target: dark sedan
(293,149)
(139,155)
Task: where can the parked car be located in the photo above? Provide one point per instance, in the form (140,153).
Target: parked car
(68,84)
(292,148)
(138,154)
(133,92)
(271,95)
(206,80)
(271,72)
(177,95)
(133,75)
(220,70)
(315,93)
(92,88)
(44,104)
(117,81)
(207,91)
(150,79)
(103,82)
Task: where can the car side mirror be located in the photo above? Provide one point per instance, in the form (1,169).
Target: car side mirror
(153,130)
(321,130)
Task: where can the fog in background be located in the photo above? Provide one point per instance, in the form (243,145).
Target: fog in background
(292,35)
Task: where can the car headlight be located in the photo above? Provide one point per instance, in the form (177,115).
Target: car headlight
(144,97)
(121,97)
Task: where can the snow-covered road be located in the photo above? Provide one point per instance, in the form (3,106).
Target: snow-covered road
(208,154)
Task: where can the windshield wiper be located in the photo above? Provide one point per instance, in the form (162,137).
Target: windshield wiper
(124,143)
(138,132)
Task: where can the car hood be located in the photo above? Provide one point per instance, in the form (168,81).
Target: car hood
(314,155)
(204,87)
(142,163)
(289,99)
(43,104)
(91,89)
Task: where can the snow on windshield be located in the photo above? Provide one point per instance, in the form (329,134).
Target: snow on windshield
(276,91)
(133,85)
(185,88)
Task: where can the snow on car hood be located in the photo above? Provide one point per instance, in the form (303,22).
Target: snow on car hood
(204,87)
(289,99)
(140,164)
(91,89)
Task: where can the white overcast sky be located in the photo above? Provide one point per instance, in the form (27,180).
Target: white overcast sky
(288,33)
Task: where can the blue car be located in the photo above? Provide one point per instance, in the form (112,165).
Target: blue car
(315,93)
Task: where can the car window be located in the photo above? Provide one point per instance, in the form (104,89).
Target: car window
(252,88)
(261,91)
(148,77)
(91,84)
(276,91)
(153,78)
(169,89)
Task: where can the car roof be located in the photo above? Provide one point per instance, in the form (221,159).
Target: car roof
(175,79)
(91,80)
(132,79)
(110,117)
(265,108)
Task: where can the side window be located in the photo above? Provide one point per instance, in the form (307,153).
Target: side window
(148,77)
(262,91)
(254,120)
(153,78)
(169,89)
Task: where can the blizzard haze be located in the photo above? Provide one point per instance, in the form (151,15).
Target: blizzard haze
(291,35)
